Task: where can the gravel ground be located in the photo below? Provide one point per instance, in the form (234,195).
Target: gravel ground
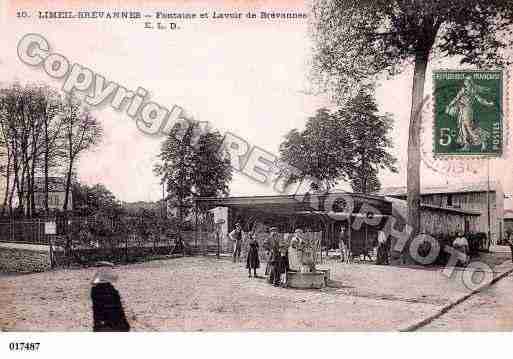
(490,310)
(199,293)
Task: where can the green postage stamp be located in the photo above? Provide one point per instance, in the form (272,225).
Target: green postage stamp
(468,113)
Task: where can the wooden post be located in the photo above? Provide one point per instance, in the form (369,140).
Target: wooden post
(349,240)
(39,239)
(196,226)
(330,238)
(51,251)
(218,228)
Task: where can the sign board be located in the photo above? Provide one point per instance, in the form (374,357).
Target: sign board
(468,112)
(50,228)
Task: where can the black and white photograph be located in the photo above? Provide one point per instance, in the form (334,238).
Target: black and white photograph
(255,168)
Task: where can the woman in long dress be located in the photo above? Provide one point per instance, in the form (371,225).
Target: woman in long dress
(294,254)
(252,260)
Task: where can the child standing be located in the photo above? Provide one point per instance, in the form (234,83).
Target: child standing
(252,261)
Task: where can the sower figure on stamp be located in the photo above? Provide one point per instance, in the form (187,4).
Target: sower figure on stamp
(462,107)
(236,237)
(108,312)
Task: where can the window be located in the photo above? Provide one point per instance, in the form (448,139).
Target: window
(449,200)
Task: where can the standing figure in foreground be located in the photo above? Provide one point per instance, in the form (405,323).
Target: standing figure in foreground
(108,313)
(274,257)
(236,237)
(268,244)
(283,267)
(252,261)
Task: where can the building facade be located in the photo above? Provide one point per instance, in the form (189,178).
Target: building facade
(56,194)
(3,184)
(485,200)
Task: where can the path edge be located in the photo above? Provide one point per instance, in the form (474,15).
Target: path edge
(438,313)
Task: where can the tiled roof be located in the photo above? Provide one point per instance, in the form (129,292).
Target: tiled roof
(449,188)
(508,214)
(400,207)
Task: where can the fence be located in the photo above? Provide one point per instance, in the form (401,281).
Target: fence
(80,239)
(30,232)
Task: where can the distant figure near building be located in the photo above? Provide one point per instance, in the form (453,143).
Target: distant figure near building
(342,245)
(509,239)
(108,313)
(382,253)
(461,245)
(236,237)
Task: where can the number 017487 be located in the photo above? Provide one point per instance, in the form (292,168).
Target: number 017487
(24,346)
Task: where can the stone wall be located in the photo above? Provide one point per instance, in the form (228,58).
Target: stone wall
(23,258)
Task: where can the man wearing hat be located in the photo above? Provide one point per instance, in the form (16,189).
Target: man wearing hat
(273,247)
(108,313)
(236,237)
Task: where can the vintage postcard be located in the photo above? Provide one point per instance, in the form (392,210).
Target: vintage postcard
(239,166)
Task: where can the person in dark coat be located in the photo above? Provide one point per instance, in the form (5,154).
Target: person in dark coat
(108,312)
(274,259)
(282,268)
(268,248)
(252,261)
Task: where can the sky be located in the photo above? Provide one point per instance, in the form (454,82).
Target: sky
(247,77)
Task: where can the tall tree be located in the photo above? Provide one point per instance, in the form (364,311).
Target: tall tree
(351,144)
(50,105)
(321,150)
(193,165)
(370,140)
(356,40)
(21,132)
(88,200)
(81,132)
(29,136)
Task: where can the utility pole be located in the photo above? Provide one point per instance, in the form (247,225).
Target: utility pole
(488,202)
(163,200)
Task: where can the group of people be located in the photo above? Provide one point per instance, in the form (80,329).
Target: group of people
(276,255)
(383,247)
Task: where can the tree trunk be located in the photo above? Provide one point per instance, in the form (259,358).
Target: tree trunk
(7,182)
(33,185)
(46,158)
(413,174)
(68,185)
(11,197)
